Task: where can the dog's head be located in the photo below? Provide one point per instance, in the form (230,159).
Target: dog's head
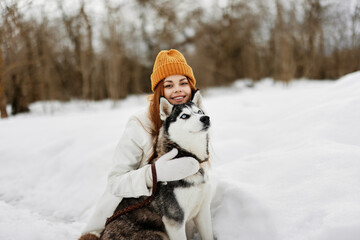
(187,118)
(185,124)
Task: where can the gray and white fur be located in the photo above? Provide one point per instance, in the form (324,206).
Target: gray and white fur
(177,203)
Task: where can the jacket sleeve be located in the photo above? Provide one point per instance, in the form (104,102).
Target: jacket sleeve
(126,179)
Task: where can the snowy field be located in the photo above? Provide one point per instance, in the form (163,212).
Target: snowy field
(286,162)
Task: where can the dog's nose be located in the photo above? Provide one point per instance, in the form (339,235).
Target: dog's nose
(205,120)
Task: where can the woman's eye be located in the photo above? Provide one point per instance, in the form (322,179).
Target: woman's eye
(184,116)
(167,86)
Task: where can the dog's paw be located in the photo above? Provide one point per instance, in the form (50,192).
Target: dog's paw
(89,236)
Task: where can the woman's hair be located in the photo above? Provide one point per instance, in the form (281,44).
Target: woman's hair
(154,110)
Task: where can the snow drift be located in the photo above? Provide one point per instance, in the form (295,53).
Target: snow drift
(286,162)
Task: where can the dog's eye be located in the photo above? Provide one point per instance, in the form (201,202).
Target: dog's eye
(200,112)
(184,116)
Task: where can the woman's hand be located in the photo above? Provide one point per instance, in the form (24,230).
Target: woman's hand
(169,168)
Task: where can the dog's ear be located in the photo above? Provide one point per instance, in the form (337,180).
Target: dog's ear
(197,99)
(165,108)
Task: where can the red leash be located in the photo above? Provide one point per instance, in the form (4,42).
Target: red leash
(138,205)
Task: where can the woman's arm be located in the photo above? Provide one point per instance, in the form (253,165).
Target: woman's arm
(125,178)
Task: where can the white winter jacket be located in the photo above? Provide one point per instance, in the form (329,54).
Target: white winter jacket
(128,175)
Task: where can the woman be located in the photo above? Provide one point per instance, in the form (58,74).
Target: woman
(130,175)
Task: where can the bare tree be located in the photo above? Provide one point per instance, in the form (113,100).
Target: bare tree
(3,99)
(79,30)
(18,76)
(355,37)
(114,53)
(282,47)
(225,44)
(313,34)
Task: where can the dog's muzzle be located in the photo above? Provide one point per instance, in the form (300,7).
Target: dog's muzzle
(206,121)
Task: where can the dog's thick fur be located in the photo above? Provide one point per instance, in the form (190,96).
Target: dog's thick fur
(185,127)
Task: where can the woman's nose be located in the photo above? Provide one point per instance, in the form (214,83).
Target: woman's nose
(177,89)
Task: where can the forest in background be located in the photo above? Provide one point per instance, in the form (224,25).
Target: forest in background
(79,55)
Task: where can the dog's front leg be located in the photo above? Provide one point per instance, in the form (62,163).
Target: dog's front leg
(203,220)
(175,230)
(204,225)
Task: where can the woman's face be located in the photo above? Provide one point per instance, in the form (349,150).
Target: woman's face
(177,89)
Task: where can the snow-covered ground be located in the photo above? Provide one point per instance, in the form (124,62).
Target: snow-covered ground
(286,162)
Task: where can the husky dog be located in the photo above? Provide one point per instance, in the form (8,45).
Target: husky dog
(177,203)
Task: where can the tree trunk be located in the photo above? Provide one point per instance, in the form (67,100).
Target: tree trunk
(3,99)
(19,102)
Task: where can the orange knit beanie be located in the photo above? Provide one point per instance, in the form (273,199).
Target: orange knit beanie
(170,62)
